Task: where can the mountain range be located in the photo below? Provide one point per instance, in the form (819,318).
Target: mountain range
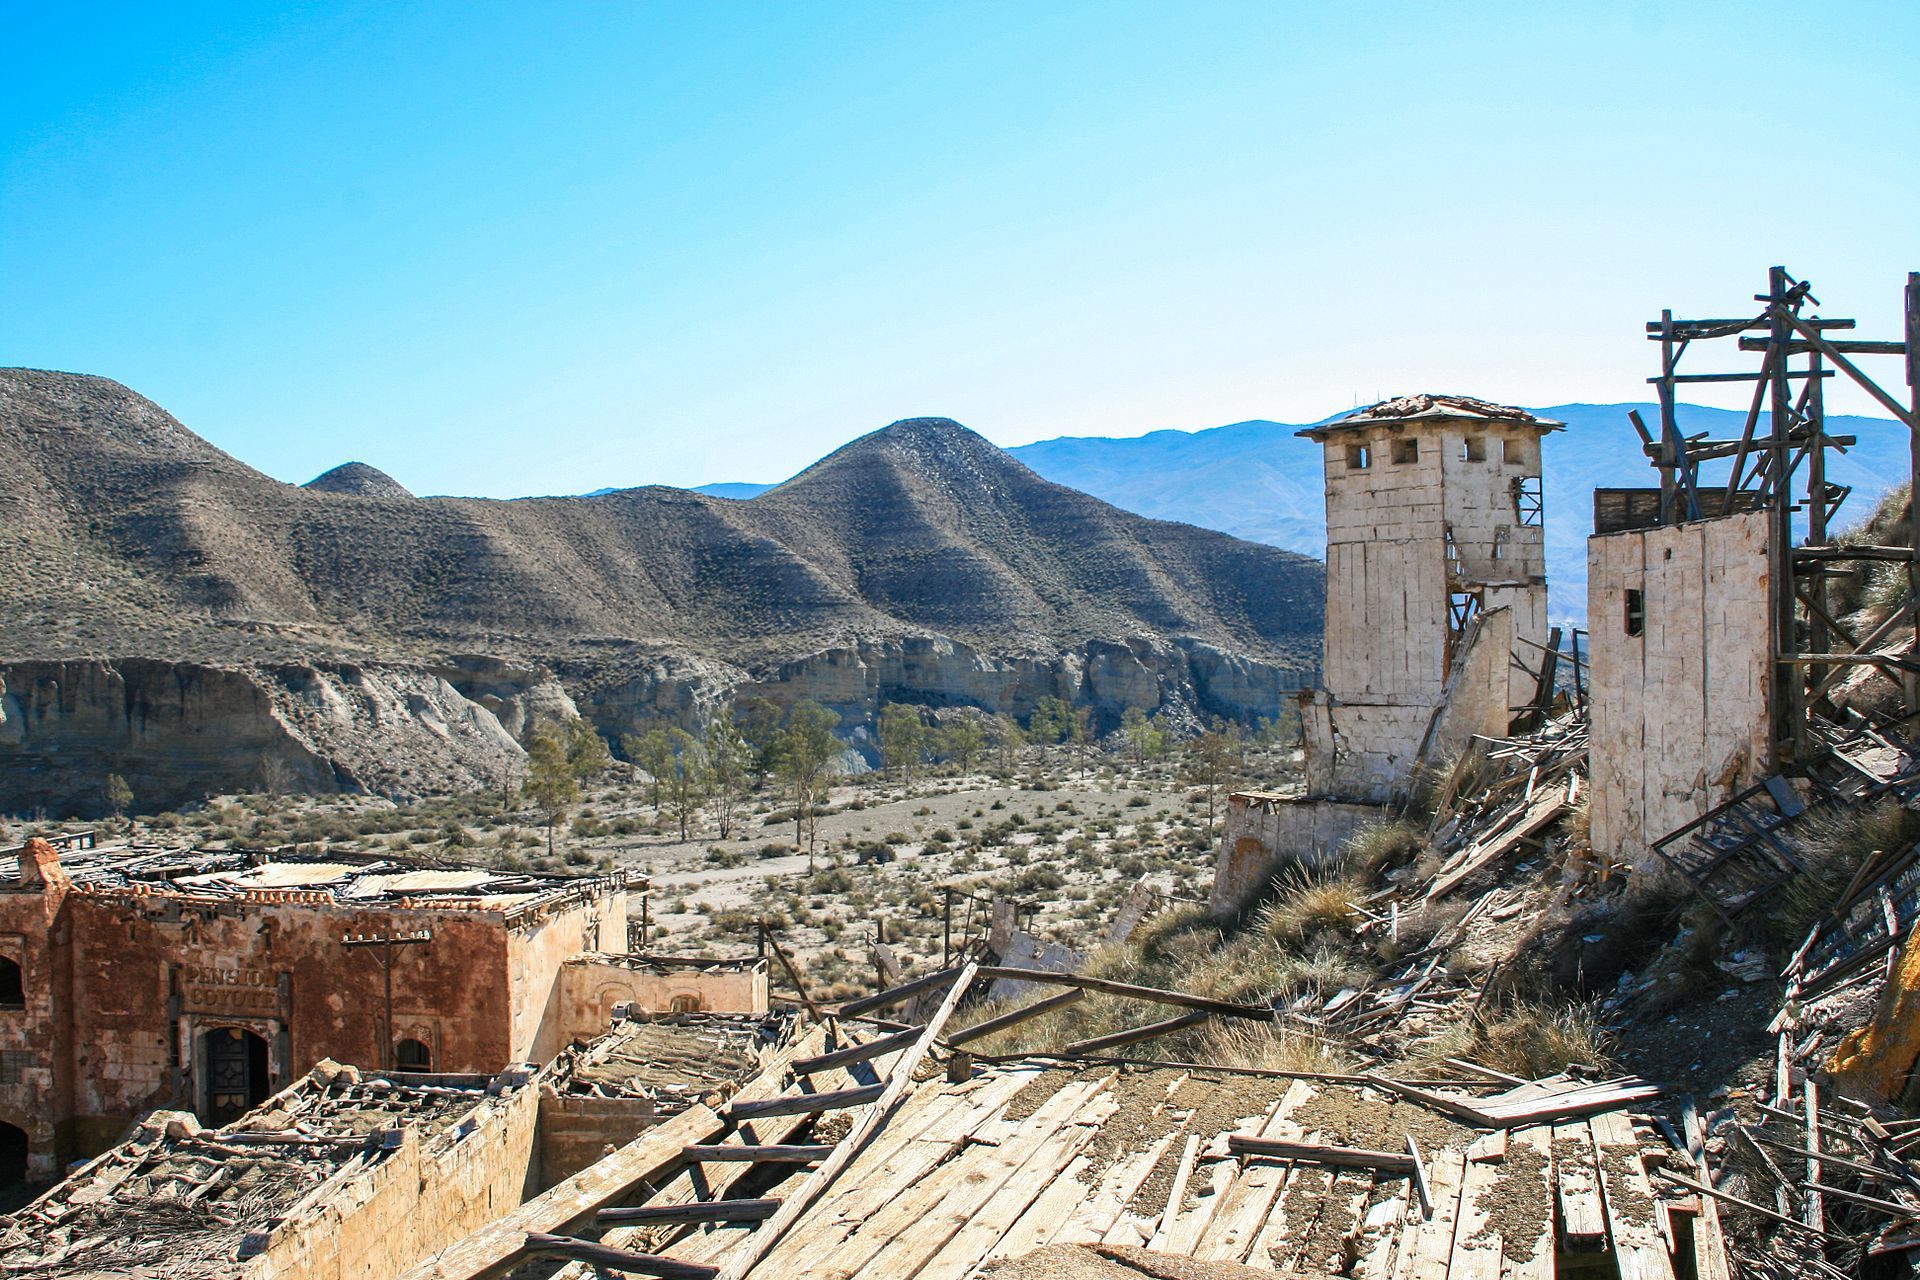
(1258,480)
(169,609)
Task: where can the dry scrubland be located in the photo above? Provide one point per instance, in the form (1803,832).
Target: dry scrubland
(1066,839)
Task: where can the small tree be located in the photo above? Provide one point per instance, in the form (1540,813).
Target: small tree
(687,777)
(903,739)
(807,747)
(653,752)
(760,728)
(962,742)
(1213,760)
(1081,738)
(1049,721)
(1007,740)
(1144,737)
(729,760)
(587,753)
(552,787)
(119,795)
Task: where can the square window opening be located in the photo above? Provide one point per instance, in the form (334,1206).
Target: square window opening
(1359,457)
(1515,453)
(1405,451)
(1473,449)
(1636,619)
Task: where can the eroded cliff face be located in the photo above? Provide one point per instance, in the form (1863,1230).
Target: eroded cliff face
(182,731)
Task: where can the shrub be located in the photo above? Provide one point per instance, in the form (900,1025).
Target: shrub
(1311,904)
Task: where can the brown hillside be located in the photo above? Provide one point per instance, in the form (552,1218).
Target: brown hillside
(123,532)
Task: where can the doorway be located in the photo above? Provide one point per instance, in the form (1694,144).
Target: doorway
(236,1073)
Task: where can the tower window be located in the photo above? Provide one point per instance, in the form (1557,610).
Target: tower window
(1359,457)
(412,1055)
(1405,451)
(13,991)
(1636,618)
(1473,449)
(1515,452)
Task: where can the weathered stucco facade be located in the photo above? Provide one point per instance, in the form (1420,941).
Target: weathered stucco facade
(1679,689)
(211,980)
(1264,831)
(1433,517)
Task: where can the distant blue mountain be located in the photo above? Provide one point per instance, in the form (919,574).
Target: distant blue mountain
(733,489)
(1259,481)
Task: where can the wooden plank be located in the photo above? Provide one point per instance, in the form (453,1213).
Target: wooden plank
(915,1223)
(894,995)
(1432,1244)
(745,1153)
(1134,1035)
(757,1209)
(761,1241)
(1013,1018)
(796,1104)
(1710,1260)
(977,1237)
(1110,1197)
(1814,1207)
(540,1244)
(1154,995)
(846,1057)
(1530,1255)
(1342,1217)
(1422,1190)
(1249,1201)
(1627,1196)
(1176,1192)
(1477,1247)
(1577,1183)
(1396,1162)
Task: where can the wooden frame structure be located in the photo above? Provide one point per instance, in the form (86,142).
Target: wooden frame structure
(1800,352)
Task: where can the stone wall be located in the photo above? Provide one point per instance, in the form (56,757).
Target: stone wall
(417,1200)
(575,1131)
(589,987)
(1265,832)
(1680,711)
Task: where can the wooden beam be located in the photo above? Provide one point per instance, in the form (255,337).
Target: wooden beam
(755,1210)
(737,1153)
(763,1240)
(894,995)
(606,1257)
(800,1104)
(1039,1008)
(1422,1191)
(1226,1009)
(1241,1144)
(1133,1035)
(876,1048)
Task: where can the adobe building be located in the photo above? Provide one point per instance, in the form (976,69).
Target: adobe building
(139,977)
(1436,577)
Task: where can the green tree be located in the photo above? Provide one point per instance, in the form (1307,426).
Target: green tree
(587,753)
(729,764)
(1007,739)
(653,752)
(687,777)
(760,724)
(903,739)
(551,786)
(807,748)
(1081,737)
(962,742)
(1144,737)
(1049,721)
(119,795)
(1212,764)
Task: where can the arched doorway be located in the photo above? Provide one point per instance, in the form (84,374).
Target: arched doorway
(13,1167)
(412,1055)
(236,1073)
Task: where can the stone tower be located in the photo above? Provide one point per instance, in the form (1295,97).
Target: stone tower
(1436,571)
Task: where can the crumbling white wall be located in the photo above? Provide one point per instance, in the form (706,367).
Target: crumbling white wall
(1264,832)
(1680,711)
(1385,663)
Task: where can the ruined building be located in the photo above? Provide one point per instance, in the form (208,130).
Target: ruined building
(1433,520)
(133,978)
(1436,576)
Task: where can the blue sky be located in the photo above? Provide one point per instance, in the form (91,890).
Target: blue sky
(530,248)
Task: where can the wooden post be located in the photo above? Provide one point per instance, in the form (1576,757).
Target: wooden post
(1911,682)
(1785,679)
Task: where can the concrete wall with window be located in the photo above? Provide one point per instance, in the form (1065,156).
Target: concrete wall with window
(1679,678)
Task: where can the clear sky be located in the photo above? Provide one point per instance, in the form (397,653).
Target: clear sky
(511,248)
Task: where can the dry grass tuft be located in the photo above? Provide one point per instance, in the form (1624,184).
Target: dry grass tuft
(1529,1040)
(1270,1047)
(1311,904)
